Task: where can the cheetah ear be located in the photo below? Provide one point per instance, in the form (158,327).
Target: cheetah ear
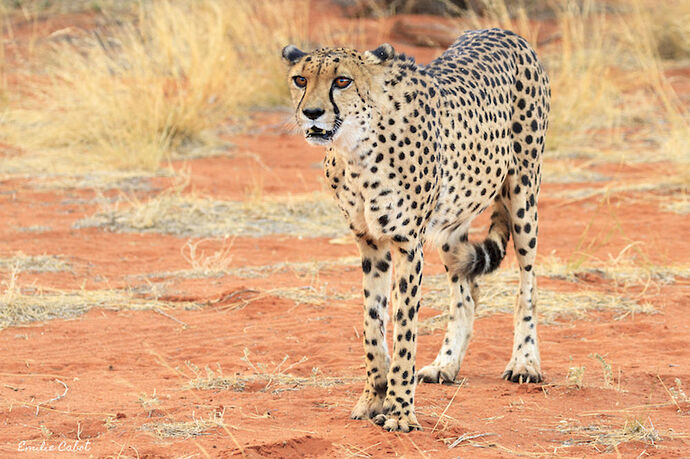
(292,54)
(380,54)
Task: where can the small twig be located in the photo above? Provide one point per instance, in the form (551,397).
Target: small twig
(235,293)
(38,406)
(465,437)
(159,311)
(302,360)
(673,399)
(448,406)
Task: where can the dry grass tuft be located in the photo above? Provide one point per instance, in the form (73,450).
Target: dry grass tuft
(679,397)
(498,296)
(567,171)
(669,28)
(208,264)
(213,380)
(632,430)
(309,269)
(306,269)
(625,270)
(276,380)
(186,429)
(21,305)
(124,181)
(126,95)
(312,295)
(606,369)
(20,262)
(148,402)
(172,212)
(576,377)
(607,76)
(680,206)
(308,294)
(35,9)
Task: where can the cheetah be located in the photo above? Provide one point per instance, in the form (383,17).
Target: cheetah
(413,154)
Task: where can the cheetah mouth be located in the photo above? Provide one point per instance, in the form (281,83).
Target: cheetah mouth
(319,134)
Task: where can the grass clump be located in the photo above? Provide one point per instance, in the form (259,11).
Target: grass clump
(632,430)
(213,380)
(606,66)
(498,296)
(180,214)
(678,396)
(275,380)
(186,429)
(125,95)
(208,262)
(624,270)
(34,263)
(606,368)
(576,377)
(678,206)
(310,269)
(20,305)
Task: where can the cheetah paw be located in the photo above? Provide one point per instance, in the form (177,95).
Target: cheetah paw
(393,423)
(436,374)
(369,405)
(522,373)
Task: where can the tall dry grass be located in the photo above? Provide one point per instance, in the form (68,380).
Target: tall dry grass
(607,74)
(126,95)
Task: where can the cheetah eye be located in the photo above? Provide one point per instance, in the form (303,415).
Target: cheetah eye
(300,81)
(342,82)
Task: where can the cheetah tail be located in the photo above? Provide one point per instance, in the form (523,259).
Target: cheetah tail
(476,258)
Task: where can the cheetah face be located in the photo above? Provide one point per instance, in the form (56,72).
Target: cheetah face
(330,90)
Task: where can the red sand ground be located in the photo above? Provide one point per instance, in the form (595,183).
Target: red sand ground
(109,359)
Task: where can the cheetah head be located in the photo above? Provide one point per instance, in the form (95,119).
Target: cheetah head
(334,92)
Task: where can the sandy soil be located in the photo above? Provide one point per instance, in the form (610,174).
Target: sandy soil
(96,385)
(109,359)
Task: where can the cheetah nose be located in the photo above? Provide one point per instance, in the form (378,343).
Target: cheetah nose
(313,113)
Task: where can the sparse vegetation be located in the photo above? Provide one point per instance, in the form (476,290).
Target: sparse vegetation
(20,262)
(208,263)
(632,430)
(576,376)
(127,94)
(185,214)
(23,304)
(186,429)
(608,83)
(276,380)
(606,368)
(148,402)
(678,395)
(498,290)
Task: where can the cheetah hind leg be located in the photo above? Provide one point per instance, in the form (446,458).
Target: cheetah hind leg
(525,363)
(370,403)
(446,365)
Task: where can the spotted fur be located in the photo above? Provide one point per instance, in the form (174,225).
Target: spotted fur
(414,153)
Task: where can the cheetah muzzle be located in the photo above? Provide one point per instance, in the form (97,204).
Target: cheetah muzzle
(413,154)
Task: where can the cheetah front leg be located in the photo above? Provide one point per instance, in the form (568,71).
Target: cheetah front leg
(398,407)
(376,266)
